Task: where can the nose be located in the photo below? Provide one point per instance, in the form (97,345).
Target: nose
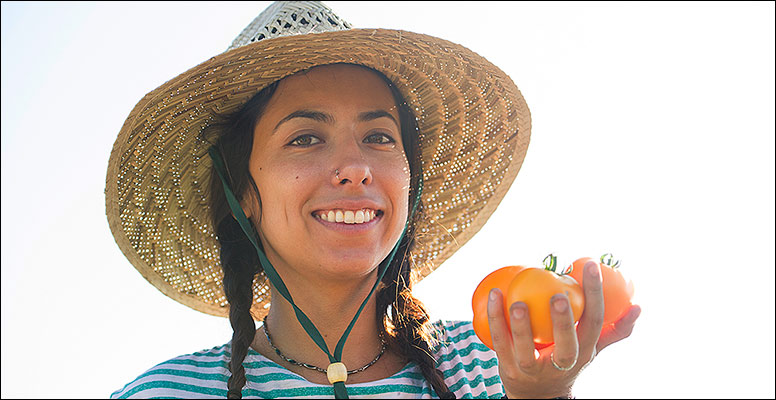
(351,169)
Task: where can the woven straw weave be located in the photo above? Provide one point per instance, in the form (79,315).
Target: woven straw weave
(290,18)
(474,132)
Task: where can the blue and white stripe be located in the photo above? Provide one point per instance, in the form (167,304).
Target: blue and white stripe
(470,370)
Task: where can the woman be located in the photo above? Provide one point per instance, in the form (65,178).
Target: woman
(323,177)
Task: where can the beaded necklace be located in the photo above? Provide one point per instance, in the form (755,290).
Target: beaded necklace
(313,367)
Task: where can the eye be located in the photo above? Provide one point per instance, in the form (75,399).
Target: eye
(304,141)
(379,138)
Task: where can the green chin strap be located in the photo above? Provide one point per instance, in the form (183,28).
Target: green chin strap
(340,392)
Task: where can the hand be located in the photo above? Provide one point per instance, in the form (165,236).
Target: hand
(526,376)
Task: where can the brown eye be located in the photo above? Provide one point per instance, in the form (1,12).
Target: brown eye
(379,138)
(304,141)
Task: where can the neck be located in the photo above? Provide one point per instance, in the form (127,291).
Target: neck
(330,306)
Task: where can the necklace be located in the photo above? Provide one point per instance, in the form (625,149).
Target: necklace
(313,367)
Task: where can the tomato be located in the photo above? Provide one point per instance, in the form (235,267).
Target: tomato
(535,287)
(618,291)
(538,286)
(499,278)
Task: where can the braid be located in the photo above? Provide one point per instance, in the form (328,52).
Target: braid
(233,134)
(240,264)
(406,324)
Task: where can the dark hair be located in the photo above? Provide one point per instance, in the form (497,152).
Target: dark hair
(402,319)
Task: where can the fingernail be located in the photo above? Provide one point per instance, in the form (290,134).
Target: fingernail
(518,312)
(560,305)
(634,313)
(492,295)
(592,269)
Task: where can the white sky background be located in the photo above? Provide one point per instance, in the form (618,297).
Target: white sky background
(653,138)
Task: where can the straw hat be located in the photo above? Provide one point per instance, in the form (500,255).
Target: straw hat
(474,132)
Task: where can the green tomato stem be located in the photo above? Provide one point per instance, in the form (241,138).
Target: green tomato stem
(608,260)
(550,265)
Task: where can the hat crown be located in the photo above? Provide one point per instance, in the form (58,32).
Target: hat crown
(287,18)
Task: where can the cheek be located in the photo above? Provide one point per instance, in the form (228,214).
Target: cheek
(400,183)
(283,187)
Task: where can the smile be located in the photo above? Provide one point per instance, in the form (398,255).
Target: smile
(361,216)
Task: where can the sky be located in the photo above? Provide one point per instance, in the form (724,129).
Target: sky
(652,139)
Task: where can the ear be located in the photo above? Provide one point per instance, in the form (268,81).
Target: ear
(249,204)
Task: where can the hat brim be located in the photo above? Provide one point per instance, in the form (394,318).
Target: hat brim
(474,132)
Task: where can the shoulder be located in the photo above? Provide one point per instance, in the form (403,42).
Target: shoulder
(470,368)
(197,375)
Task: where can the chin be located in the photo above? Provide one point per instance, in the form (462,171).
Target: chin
(354,264)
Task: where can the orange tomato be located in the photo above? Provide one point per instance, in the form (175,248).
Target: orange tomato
(618,291)
(535,287)
(501,279)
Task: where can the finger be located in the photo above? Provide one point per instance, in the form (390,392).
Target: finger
(499,331)
(620,329)
(522,338)
(592,319)
(563,333)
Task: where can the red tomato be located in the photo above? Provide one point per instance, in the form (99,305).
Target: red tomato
(535,287)
(618,291)
(499,278)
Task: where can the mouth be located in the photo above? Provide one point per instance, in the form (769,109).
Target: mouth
(350,217)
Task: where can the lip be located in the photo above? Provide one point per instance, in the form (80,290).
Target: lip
(349,204)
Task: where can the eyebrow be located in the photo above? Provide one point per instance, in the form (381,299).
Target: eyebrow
(311,114)
(329,119)
(371,115)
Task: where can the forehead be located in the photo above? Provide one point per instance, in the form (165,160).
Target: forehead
(338,87)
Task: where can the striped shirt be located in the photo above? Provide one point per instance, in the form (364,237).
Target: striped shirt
(470,370)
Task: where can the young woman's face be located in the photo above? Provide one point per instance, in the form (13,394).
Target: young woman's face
(330,167)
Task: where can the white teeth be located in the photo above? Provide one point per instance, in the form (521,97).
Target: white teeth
(347,216)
